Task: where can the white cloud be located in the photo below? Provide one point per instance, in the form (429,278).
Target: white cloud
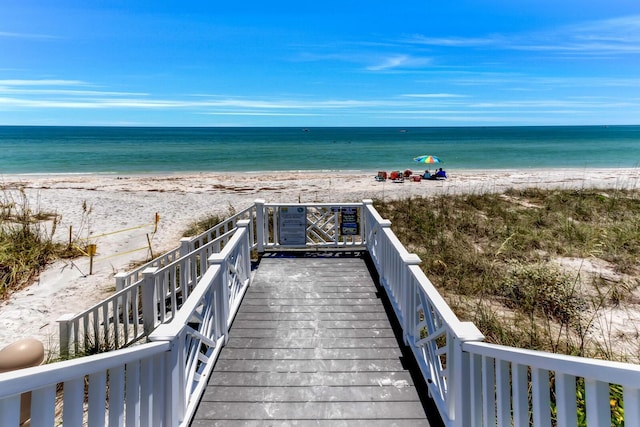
(398,61)
(26,35)
(42,82)
(453,41)
(608,37)
(433,95)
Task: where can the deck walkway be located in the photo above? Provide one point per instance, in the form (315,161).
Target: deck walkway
(312,344)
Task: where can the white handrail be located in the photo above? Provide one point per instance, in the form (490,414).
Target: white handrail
(490,366)
(472,383)
(133,312)
(142,364)
(152,384)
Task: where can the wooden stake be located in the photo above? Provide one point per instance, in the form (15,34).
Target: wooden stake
(91,250)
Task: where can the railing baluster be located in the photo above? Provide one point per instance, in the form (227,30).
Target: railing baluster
(43,405)
(565,400)
(73,402)
(540,397)
(597,402)
(132,393)
(489,391)
(520,394)
(97,398)
(503,393)
(116,396)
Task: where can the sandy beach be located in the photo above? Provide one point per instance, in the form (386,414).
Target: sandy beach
(120,212)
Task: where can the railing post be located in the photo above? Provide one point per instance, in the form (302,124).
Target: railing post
(243,226)
(380,250)
(64,323)
(174,388)
(366,221)
(185,246)
(260,225)
(364,224)
(408,296)
(459,394)
(121,280)
(221,289)
(149,300)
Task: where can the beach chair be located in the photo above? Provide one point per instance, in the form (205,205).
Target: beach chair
(382,176)
(396,176)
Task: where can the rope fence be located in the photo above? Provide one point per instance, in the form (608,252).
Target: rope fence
(91,249)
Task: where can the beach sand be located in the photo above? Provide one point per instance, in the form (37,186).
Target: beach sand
(121,211)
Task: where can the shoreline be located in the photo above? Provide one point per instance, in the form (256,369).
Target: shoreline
(122,208)
(418,167)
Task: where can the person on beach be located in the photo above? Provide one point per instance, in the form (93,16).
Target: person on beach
(440,174)
(426,174)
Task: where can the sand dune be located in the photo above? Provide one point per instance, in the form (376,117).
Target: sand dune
(116,203)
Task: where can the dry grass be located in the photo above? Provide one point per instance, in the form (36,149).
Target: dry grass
(26,242)
(497,259)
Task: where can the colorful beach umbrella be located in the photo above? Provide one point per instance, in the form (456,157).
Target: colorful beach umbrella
(427,159)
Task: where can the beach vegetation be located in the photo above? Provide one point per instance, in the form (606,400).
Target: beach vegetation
(534,268)
(26,241)
(201,225)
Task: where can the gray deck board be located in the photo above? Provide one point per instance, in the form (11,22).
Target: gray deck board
(311,345)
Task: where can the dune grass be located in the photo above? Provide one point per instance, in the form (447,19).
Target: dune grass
(26,241)
(494,259)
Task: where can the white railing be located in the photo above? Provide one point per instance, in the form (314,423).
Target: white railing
(480,384)
(150,294)
(471,382)
(325,225)
(153,384)
(189,244)
(430,328)
(511,386)
(133,312)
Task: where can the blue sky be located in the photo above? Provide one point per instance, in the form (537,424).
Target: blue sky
(331,63)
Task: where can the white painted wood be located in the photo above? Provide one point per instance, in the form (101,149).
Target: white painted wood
(520,393)
(146,392)
(631,399)
(10,411)
(625,374)
(43,406)
(488,392)
(541,400)
(474,418)
(97,398)
(159,390)
(116,397)
(503,393)
(566,405)
(597,402)
(73,402)
(132,394)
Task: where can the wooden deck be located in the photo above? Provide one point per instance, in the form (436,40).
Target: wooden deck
(312,344)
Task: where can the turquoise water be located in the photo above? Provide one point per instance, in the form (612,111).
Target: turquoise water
(33,150)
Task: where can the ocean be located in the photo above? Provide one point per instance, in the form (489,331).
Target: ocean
(131,150)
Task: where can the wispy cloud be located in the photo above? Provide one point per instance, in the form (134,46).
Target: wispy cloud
(453,41)
(42,82)
(433,95)
(6,34)
(398,61)
(615,36)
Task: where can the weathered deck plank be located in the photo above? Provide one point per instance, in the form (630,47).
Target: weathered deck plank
(311,345)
